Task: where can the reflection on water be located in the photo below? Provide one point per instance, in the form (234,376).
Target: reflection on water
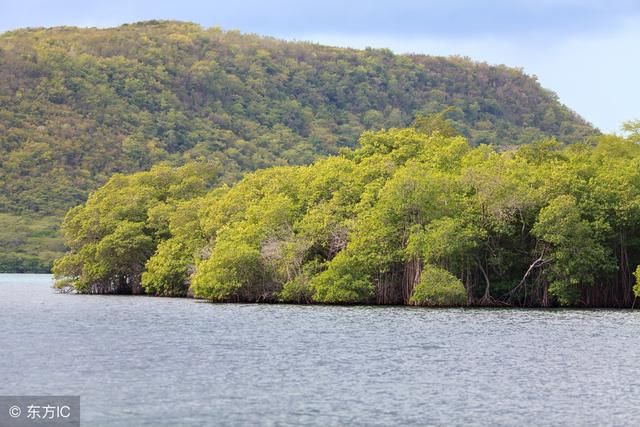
(167,362)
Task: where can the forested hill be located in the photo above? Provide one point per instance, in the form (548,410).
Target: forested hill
(78,105)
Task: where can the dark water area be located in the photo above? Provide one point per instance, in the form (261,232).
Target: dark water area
(140,361)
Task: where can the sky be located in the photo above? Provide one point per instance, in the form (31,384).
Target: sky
(587,51)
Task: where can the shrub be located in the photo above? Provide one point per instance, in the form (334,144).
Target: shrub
(438,287)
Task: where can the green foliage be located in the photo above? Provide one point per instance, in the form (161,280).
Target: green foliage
(298,289)
(79,105)
(345,282)
(232,272)
(438,287)
(168,272)
(113,235)
(577,256)
(431,123)
(407,218)
(447,240)
(632,130)
(29,243)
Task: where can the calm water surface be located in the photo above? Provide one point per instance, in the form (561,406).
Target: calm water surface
(138,361)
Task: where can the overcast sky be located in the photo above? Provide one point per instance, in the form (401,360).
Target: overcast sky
(587,51)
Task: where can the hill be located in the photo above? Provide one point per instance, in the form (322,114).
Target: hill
(78,105)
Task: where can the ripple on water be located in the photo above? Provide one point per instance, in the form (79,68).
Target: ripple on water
(162,361)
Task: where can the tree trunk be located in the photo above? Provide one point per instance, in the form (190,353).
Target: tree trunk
(486,298)
(545,295)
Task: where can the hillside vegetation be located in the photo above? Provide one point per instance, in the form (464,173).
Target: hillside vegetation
(78,105)
(413,216)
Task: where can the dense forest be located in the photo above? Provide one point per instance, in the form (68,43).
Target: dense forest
(413,215)
(78,105)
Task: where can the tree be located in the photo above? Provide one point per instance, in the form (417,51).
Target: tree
(577,258)
(436,123)
(632,130)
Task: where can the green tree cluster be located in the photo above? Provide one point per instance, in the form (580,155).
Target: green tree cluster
(78,105)
(113,235)
(412,216)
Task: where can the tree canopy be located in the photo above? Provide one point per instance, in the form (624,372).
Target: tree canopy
(411,216)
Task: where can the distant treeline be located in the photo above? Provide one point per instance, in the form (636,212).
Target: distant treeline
(78,105)
(413,216)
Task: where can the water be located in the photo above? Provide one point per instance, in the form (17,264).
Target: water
(175,362)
